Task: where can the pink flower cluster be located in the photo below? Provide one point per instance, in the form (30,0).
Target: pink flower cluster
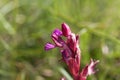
(70,52)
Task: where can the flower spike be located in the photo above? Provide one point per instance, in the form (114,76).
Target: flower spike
(71,53)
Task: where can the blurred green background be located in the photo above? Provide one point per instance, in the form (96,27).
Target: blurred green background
(26,25)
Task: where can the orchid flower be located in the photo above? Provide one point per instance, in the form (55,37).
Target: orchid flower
(70,51)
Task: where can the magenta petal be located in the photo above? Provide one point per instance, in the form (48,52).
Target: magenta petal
(56,37)
(49,46)
(66,55)
(57,32)
(84,72)
(66,30)
(58,41)
(77,39)
(71,40)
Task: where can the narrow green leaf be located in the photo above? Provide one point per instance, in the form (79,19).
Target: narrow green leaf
(65,73)
(7,25)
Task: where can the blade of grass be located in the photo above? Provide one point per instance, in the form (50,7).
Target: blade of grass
(100,34)
(23,74)
(65,73)
(104,35)
(6,45)
(5,73)
(11,6)
(7,25)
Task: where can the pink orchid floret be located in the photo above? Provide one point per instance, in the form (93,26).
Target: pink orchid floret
(70,52)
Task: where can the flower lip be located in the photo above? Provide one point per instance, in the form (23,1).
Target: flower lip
(49,46)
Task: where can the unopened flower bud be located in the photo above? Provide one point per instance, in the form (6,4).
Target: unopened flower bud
(66,30)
